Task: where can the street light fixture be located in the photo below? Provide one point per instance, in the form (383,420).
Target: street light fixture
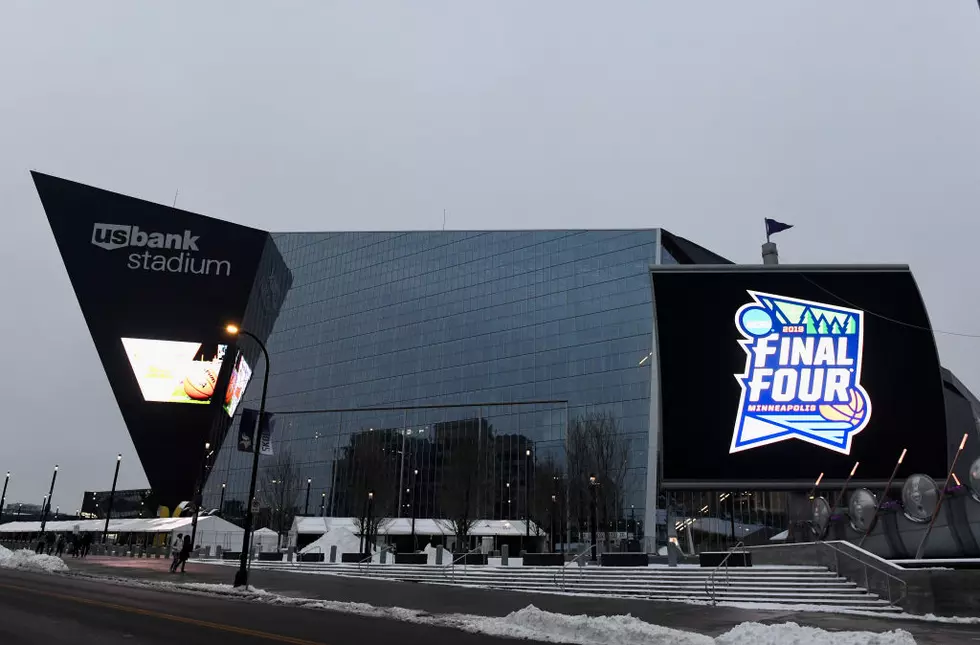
(527,495)
(3,497)
(593,485)
(112,496)
(50,495)
(367,528)
(306,507)
(221,504)
(415,485)
(241,578)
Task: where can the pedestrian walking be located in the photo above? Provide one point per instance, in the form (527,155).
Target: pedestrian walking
(175,549)
(39,549)
(59,548)
(185,552)
(50,539)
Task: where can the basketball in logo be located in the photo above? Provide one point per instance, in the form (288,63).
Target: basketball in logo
(199,383)
(851,412)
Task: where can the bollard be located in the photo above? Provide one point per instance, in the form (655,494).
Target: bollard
(333,553)
(504,554)
(289,554)
(439,554)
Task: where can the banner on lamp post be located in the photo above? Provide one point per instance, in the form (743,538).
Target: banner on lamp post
(246,430)
(266,425)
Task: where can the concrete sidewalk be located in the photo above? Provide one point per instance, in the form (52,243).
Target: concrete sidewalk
(450,599)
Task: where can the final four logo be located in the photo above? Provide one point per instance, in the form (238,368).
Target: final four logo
(802,376)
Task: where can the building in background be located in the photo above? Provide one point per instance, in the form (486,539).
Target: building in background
(484,347)
(125,504)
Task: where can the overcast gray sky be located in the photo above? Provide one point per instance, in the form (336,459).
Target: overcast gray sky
(857,121)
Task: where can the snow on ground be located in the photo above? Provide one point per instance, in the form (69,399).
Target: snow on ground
(830,609)
(30,561)
(532,623)
(793,634)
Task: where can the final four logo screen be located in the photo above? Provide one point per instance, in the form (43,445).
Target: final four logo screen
(802,377)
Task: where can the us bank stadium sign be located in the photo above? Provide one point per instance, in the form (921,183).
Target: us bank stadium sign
(156,251)
(802,377)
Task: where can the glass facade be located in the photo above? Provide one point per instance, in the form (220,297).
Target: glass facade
(507,350)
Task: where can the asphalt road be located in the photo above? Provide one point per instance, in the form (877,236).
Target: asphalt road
(38,609)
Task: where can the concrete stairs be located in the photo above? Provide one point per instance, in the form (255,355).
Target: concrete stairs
(781,585)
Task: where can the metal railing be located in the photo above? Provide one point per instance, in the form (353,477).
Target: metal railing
(579,559)
(452,565)
(710,583)
(298,559)
(365,560)
(903,586)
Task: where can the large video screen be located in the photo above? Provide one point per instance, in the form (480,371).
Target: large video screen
(771,376)
(172,371)
(240,375)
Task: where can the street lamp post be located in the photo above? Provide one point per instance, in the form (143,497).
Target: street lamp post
(112,497)
(367,526)
(306,508)
(415,484)
(221,504)
(3,497)
(632,520)
(508,502)
(323,504)
(527,495)
(47,504)
(241,578)
(554,502)
(593,485)
(199,493)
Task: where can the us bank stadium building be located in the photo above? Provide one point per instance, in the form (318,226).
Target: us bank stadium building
(527,378)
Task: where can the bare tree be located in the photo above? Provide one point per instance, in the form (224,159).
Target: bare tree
(596,447)
(280,485)
(548,492)
(464,476)
(372,466)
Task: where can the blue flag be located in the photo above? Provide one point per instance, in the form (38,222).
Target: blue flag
(772,226)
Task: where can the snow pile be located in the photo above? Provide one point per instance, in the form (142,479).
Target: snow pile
(793,634)
(30,561)
(226,590)
(534,624)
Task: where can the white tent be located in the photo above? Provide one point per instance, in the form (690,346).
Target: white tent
(266,540)
(211,530)
(403,526)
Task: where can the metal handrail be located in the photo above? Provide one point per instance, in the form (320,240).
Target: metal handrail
(561,585)
(709,584)
(300,554)
(889,576)
(367,558)
(452,565)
